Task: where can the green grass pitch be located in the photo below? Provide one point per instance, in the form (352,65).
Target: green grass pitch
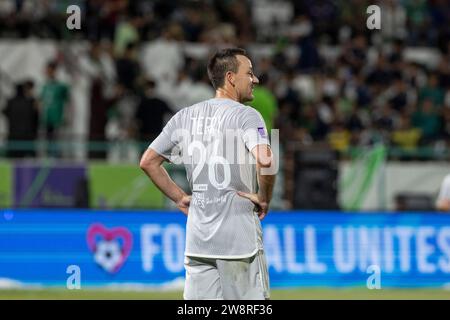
(291,294)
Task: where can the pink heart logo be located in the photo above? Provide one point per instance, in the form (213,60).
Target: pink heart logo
(105,244)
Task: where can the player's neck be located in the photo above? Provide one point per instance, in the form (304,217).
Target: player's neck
(226,93)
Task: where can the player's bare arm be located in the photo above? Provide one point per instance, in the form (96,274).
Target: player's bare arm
(264,159)
(151,164)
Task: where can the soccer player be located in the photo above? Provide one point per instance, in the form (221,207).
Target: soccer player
(224,257)
(443,200)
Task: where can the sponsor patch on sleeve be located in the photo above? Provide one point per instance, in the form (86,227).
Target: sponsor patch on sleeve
(262,132)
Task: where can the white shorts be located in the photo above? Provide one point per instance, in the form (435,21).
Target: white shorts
(219,279)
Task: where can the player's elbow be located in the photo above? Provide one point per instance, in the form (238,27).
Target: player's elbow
(146,161)
(263,156)
(150,161)
(265,161)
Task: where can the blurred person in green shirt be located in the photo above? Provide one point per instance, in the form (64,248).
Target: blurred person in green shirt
(432,91)
(127,32)
(427,119)
(54,97)
(265,102)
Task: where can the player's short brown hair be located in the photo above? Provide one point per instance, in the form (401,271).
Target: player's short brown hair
(221,62)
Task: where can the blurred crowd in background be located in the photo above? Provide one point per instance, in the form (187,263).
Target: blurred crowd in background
(325,78)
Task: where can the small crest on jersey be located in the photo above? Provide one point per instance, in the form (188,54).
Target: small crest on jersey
(262,132)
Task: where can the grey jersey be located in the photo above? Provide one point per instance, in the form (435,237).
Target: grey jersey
(213,140)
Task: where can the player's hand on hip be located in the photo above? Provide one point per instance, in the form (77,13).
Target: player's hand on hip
(261,207)
(183,204)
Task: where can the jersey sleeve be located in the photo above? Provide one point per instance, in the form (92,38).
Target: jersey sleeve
(444,192)
(167,141)
(254,129)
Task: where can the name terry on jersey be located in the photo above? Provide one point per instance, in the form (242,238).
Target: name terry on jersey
(204,125)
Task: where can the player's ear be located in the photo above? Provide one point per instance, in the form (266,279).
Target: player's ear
(230,78)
